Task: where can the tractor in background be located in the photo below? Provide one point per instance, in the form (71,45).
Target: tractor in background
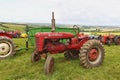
(14,34)
(89,51)
(109,39)
(7,47)
(11,32)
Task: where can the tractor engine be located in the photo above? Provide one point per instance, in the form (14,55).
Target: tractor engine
(50,41)
(54,46)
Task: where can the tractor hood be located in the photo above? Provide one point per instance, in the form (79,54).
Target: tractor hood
(54,35)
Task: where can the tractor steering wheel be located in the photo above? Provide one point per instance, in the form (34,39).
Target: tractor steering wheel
(76,29)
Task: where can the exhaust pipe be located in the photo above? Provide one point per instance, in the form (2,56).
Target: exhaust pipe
(53,22)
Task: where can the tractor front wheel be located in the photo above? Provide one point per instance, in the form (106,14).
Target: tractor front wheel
(49,65)
(91,54)
(7,47)
(35,57)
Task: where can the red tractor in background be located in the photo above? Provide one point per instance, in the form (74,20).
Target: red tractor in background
(89,51)
(7,47)
(109,39)
(14,34)
(11,32)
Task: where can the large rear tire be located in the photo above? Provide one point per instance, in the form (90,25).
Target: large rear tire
(7,47)
(92,54)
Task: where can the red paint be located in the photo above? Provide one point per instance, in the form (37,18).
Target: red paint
(82,35)
(104,38)
(41,36)
(56,48)
(55,35)
(93,54)
(5,34)
(50,42)
(14,33)
(39,43)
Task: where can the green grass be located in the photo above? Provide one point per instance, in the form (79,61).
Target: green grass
(106,33)
(19,67)
(14,27)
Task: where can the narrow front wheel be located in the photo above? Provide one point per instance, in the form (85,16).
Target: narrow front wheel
(49,65)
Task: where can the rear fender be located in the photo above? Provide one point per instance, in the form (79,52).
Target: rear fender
(82,42)
(77,43)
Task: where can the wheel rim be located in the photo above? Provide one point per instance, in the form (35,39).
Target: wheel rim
(4,48)
(93,54)
(51,66)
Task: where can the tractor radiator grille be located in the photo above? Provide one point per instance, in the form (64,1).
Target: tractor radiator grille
(39,43)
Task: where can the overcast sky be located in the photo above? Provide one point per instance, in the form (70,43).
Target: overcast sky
(85,12)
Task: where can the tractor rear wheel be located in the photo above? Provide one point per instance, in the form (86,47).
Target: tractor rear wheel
(49,65)
(7,47)
(117,40)
(35,57)
(91,54)
(72,54)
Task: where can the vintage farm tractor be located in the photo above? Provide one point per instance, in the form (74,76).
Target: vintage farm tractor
(7,47)
(89,51)
(109,39)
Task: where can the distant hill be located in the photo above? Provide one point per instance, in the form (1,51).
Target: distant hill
(21,26)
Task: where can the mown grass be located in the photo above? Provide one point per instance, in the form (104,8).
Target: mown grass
(19,67)
(13,27)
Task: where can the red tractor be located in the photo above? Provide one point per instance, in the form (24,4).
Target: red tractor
(7,30)
(14,34)
(6,45)
(89,51)
(109,39)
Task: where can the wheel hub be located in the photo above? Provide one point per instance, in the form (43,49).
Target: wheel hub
(93,54)
(4,48)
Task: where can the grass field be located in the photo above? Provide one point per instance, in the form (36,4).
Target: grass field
(19,67)
(13,27)
(106,33)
